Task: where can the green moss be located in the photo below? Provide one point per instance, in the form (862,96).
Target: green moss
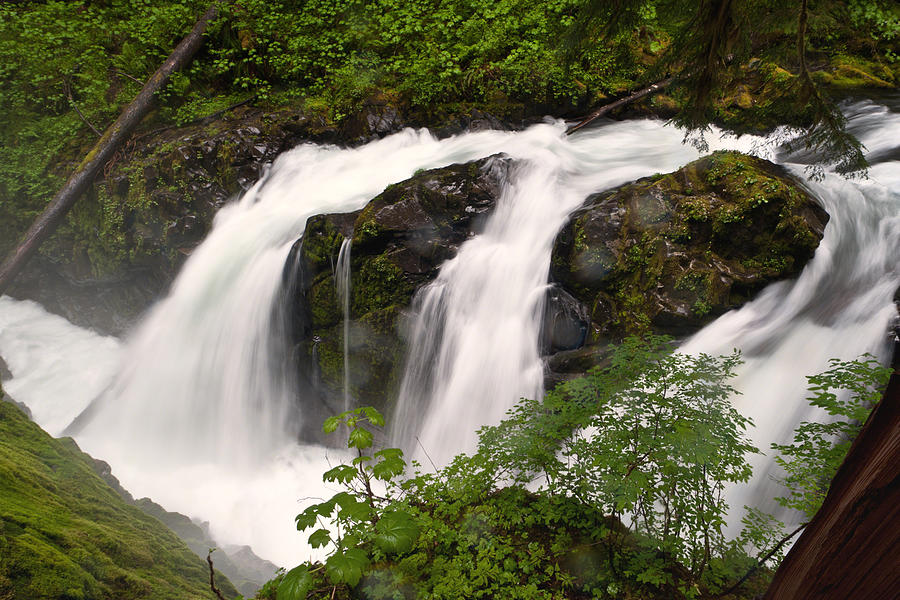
(64,533)
(686,238)
(323,301)
(378,283)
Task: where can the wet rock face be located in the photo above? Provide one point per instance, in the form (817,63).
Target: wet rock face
(127,239)
(666,254)
(399,241)
(669,253)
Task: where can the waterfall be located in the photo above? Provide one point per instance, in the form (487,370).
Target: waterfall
(202,411)
(342,285)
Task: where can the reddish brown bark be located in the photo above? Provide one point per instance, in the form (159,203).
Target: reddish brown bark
(851,548)
(102,151)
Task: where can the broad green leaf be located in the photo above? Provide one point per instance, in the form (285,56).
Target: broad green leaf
(307,518)
(319,538)
(346,567)
(388,468)
(397,531)
(375,417)
(331,424)
(360,438)
(341,474)
(296,584)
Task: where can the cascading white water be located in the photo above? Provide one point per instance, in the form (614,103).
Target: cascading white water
(201,413)
(474,349)
(342,286)
(839,307)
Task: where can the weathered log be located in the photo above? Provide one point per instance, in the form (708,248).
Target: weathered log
(851,548)
(651,89)
(103,150)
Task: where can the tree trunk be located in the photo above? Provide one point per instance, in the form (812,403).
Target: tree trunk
(851,548)
(102,151)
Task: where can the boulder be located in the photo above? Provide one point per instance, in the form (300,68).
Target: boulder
(398,243)
(669,253)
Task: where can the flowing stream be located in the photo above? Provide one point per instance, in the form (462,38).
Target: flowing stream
(198,408)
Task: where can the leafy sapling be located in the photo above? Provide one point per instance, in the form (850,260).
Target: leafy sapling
(357,522)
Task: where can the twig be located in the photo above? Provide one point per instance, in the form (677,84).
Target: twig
(652,89)
(426,454)
(219,113)
(761,562)
(212,576)
(124,74)
(68,90)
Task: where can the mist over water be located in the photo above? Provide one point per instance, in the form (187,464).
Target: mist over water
(201,407)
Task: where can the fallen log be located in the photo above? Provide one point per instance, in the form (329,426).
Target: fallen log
(103,150)
(651,89)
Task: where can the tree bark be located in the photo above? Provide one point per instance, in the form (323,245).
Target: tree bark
(651,89)
(851,548)
(102,151)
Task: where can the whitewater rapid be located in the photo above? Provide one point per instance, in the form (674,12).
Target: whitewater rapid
(199,408)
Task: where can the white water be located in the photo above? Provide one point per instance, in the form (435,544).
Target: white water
(201,413)
(342,286)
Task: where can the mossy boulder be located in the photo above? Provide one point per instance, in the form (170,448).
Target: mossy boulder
(398,242)
(671,252)
(65,533)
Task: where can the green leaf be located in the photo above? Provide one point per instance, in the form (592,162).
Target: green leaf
(296,584)
(331,424)
(307,518)
(375,417)
(351,507)
(341,474)
(319,538)
(397,531)
(360,438)
(389,468)
(346,567)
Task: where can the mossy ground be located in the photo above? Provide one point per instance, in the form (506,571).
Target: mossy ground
(65,534)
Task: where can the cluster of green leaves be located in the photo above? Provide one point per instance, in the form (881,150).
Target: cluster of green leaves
(358,518)
(630,465)
(846,393)
(610,487)
(654,441)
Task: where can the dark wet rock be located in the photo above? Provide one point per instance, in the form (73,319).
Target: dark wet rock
(399,241)
(670,253)
(565,324)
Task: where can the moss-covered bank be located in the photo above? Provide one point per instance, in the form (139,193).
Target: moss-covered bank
(65,534)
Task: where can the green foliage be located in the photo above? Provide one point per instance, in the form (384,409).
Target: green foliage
(357,519)
(846,392)
(610,487)
(654,440)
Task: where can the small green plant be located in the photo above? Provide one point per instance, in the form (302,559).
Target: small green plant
(357,520)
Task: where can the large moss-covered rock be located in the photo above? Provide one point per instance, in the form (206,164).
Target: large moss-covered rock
(398,242)
(669,253)
(64,533)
